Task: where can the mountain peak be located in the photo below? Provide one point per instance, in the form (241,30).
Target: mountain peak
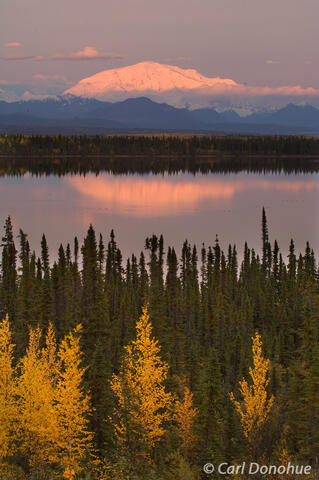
(146,78)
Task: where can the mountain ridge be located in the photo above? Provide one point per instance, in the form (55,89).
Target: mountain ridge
(144,113)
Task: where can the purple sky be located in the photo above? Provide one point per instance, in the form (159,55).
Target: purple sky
(271,42)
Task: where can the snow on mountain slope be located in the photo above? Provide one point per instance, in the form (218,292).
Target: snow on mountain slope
(151,79)
(188,88)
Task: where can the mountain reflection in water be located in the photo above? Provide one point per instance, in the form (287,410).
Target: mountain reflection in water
(169,196)
(180,206)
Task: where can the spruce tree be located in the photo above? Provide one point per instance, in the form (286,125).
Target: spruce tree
(8,292)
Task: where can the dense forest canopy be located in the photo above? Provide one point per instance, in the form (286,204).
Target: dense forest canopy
(161,373)
(144,154)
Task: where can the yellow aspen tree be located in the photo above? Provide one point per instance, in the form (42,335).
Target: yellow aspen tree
(185,414)
(74,442)
(254,410)
(49,357)
(7,384)
(143,404)
(37,426)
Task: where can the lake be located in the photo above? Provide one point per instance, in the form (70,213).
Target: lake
(181,206)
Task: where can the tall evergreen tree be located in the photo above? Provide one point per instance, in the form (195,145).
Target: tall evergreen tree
(96,330)
(8,290)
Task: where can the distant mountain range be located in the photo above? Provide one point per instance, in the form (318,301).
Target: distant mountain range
(188,88)
(71,114)
(176,86)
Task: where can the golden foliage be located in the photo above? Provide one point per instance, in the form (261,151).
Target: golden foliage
(72,406)
(52,409)
(37,426)
(143,405)
(7,383)
(256,405)
(184,416)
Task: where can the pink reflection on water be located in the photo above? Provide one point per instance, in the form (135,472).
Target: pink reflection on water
(169,196)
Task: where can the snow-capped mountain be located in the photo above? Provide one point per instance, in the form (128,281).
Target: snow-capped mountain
(153,80)
(188,88)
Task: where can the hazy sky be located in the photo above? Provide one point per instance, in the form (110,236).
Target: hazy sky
(273,42)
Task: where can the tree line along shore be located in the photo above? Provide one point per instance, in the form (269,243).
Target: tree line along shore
(152,145)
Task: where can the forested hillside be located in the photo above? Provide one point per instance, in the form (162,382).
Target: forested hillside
(155,381)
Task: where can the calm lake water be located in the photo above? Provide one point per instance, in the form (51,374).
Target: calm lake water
(196,207)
